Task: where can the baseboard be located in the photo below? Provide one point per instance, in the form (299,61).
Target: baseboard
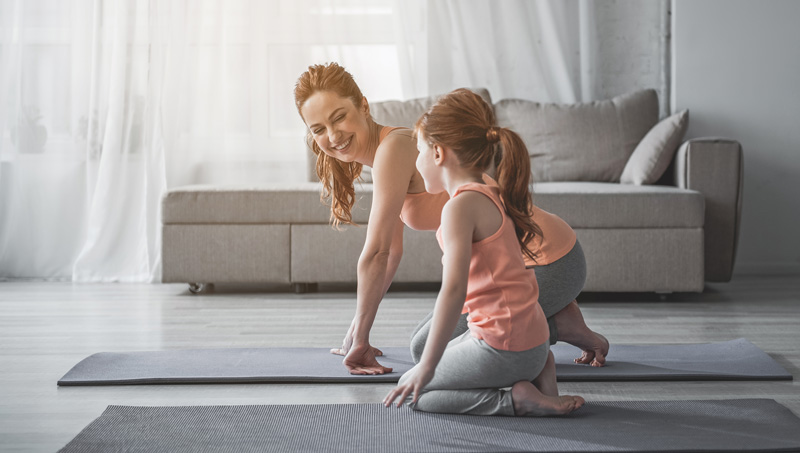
(767,268)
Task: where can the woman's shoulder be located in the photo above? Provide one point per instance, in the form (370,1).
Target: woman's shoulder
(397,145)
(395,130)
(392,137)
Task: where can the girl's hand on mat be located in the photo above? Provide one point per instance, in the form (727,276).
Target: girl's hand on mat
(418,378)
(361,360)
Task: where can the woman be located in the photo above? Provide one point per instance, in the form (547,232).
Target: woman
(344,138)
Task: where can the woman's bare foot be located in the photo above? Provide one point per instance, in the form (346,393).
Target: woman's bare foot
(572,329)
(530,402)
(595,356)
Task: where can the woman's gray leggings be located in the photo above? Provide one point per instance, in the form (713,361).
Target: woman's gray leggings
(472,377)
(560,282)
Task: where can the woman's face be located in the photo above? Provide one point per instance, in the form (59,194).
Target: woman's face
(426,165)
(339,127)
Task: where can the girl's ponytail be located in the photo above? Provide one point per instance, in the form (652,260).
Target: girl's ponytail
(514,178)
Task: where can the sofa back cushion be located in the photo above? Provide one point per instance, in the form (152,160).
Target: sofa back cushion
(406,113)
(580,142)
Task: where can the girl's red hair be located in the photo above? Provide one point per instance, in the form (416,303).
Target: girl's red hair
(465,123)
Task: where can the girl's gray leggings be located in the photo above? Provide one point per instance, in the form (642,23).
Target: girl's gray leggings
(473,378)
(560,282)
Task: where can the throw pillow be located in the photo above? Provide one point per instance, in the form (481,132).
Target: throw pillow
(652,156)
(589,141)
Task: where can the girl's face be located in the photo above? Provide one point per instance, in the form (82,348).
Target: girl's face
(340,128)
(427,166)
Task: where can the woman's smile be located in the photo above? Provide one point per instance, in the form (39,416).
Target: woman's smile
(342,147)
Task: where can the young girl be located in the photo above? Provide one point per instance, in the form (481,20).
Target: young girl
(483,228)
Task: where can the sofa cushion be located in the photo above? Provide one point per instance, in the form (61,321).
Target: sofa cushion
(581,204)
(406,113)
(652,156)
(611,205)
(580,142)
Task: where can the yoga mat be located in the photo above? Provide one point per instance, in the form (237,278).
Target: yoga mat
(750,425)
(724,361)
(730,360)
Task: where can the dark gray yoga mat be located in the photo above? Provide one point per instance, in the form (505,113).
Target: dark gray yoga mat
(730,360)
(754,425)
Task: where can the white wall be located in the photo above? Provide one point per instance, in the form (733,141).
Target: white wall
(736,67)
(630,48)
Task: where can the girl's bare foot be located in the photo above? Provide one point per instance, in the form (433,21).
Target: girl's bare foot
(572,329)
(529,401)
(546,381)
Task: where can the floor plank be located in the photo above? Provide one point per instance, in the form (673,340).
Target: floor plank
(46,327)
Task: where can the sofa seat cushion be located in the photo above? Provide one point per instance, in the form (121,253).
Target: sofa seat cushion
(581,204)
(611,205)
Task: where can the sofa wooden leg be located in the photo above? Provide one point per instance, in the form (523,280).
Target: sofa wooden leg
(199,288)
(663,296)
(301,288)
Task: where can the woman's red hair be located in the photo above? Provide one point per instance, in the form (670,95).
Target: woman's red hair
(337,177)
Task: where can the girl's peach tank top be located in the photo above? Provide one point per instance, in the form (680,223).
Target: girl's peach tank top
(502,294)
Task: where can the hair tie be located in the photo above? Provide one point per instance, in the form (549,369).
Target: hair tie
(493,134)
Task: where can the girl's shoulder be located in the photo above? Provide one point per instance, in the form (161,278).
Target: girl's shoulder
(472,200)
(475,209)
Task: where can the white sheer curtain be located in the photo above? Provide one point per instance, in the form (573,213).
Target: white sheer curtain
(105,104)
(543,50)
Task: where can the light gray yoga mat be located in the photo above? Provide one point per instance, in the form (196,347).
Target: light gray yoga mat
(730,360)
(755,425)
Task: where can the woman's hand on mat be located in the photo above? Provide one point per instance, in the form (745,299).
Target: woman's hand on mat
(360,359)
(347,343)
(418,378)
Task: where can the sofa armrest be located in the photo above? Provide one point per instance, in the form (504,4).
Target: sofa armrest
(714,167)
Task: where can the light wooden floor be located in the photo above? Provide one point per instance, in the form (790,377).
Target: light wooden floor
(45,328)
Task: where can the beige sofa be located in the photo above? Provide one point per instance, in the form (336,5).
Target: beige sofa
(665,237)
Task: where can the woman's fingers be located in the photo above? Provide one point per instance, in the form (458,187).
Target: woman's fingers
(338,351)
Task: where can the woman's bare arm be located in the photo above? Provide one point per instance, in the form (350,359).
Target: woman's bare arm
(394,166)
